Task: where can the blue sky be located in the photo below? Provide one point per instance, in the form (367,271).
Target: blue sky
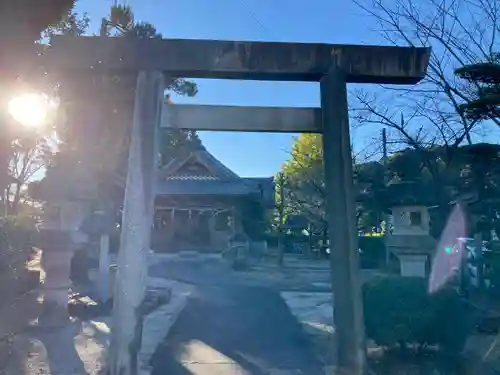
(328,21)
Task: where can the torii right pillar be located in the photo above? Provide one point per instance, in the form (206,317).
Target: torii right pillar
(341,217)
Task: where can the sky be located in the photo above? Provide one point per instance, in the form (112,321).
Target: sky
(325,21)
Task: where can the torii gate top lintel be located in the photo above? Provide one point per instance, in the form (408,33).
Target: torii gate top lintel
(192,58)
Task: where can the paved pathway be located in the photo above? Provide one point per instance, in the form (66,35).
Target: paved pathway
(231,329)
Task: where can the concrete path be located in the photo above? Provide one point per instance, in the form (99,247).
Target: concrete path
(240,330)
(229,328)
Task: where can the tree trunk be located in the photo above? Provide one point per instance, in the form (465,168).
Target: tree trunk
(281,244)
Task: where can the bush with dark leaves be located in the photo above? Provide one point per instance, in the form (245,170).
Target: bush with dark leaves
(401,311)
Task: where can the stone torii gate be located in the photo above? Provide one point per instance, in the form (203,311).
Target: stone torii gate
(331,65)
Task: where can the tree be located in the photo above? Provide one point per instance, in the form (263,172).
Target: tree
(175,143)
(29,155)
(23,22)
(305,186)
(486,76)
(100,152)
(28,19)
(372,202)
(432,117)
(304,180)
(121,22)
(469,171)
(26,22)
(24,152)
(430,114)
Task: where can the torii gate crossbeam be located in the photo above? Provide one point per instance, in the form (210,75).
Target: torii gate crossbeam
(331,65)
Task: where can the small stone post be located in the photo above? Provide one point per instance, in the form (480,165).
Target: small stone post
(104,267)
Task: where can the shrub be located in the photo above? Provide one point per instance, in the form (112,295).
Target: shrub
(18,231)
(16,234)
(372,251)
(400,311)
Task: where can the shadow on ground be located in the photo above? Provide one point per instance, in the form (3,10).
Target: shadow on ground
(236,330)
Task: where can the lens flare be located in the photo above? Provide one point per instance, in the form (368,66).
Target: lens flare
(448,256)
(30,109)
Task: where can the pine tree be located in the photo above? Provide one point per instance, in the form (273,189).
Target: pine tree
(485,104)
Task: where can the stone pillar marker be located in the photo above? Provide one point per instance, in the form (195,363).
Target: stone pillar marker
(331,65)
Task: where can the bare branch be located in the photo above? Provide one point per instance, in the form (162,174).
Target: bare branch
(460,33)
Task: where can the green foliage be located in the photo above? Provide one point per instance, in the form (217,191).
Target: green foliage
(121,22)
(16,240)
(71,23)
(372,199)
(372,251)
(304,185)
(254,220)
(485,103)
(444,174)
(27,19)
(304,179)
(91,163)
(400,311)
(175,143)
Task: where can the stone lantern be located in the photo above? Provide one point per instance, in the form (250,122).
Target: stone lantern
(410,240)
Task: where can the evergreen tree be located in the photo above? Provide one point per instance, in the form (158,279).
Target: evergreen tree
(485,104)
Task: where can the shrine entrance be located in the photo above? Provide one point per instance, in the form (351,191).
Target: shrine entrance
(333,66)
(177,229)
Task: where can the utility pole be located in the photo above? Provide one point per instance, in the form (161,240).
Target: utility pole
(281,218)
(385,215)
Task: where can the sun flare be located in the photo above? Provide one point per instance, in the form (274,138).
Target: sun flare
(30,109)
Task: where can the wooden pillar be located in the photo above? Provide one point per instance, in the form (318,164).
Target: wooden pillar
(211,226)
(171,228)
(131,277)
(172,218)
(340,210)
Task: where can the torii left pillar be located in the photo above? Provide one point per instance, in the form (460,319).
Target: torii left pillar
(130,286)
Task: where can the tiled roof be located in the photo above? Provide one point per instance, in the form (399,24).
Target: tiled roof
(205,158)
(191,178)
(219,180)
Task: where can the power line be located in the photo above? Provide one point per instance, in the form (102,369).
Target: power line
(254,16)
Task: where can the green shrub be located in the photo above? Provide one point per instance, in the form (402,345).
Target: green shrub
(16,234)
(18,231)
(400,311)
(372,250)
